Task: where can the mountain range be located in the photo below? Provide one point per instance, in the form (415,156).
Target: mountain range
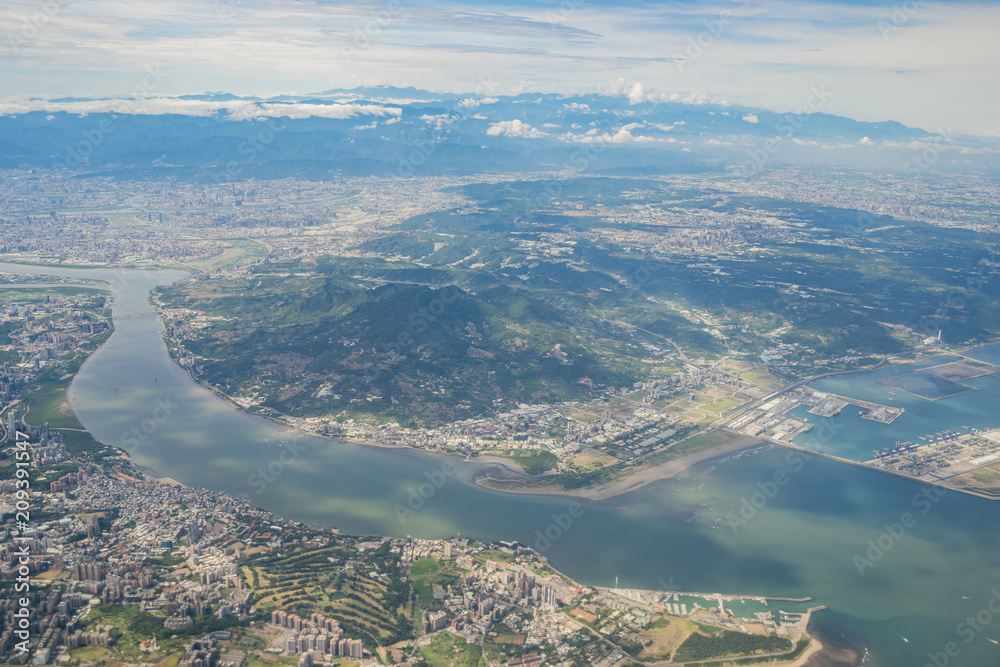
(401,132)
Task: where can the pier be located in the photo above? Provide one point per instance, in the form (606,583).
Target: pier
(884,414)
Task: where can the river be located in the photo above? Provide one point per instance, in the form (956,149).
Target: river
(803,539)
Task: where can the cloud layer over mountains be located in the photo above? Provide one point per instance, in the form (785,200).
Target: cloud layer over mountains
(403,132)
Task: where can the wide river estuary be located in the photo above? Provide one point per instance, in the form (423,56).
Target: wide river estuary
(907,606)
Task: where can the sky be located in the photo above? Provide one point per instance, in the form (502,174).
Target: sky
(934,65)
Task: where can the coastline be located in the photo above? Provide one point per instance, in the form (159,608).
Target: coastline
(517,481)
(633,480)
(630,481)
(516,484)
(797,631)
(815,647)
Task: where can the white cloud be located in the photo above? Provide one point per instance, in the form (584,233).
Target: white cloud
(819,144)
(623,135)
(472,102)
(514,128)
(236,109)
(102,46)
(438,121)
(637,94)
(975,151)
(751,118)
(297,111)
(616,89)
(865,141)
(683,98)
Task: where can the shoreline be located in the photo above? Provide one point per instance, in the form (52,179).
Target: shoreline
(517,482)
(630,481)
(627,482)
(815,647)
(800,629)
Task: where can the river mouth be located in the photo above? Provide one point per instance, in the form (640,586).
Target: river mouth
(796,539)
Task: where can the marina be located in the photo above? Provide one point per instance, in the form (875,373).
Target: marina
(749,614)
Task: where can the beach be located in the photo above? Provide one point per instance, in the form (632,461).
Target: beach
(627,482)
